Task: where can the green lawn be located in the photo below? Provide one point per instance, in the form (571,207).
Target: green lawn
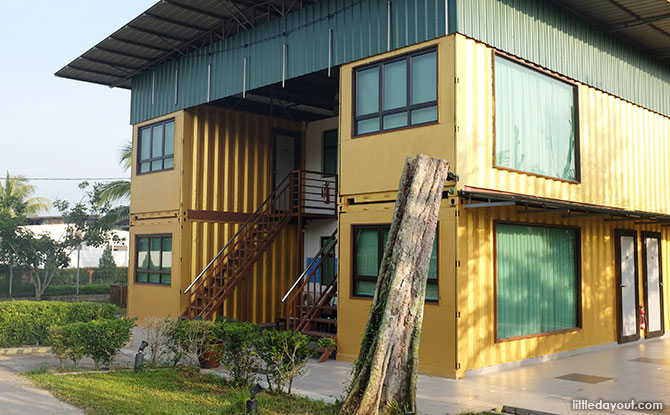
(166,391)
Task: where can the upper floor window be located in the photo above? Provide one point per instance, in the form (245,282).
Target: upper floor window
(156,151)
(535,122)
(396,93)
(154,259)
(369,243)
(329,152)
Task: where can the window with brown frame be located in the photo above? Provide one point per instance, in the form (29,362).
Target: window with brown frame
(156,147)
(368,244)
(153,263)
(537,280)
(396,93)
(536,121)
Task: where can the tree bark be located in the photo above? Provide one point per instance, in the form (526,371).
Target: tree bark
(385,374)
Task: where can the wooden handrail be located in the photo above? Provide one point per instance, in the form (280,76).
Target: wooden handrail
(231,264)
(298,314)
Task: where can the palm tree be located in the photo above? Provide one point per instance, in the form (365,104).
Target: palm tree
(16,197)
(118,190)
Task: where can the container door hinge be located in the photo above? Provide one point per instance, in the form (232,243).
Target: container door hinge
(458,314)
(456,128)
(457,213)
(458,263)
(457,80)
(458,365)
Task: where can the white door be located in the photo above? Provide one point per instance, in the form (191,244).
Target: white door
(653,284)
(284,162)
(627,279)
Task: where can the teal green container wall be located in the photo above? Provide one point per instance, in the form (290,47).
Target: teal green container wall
(359,30)
(550,36)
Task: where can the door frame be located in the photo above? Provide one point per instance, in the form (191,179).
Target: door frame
(658,237)
(297,164)
(618,233)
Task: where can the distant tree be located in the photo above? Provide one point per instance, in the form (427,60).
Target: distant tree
(41,256)
(118,190)
(16,197)
(16,201)
(106,266)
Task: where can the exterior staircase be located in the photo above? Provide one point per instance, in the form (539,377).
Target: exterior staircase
(293,197)
(311,302)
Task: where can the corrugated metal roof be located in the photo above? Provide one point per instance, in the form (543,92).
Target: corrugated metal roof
(644,23)
(168,29)
(552,36)
(347,29)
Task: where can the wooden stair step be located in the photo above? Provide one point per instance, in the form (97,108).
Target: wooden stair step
(319,334)
(323,320)
(328,307)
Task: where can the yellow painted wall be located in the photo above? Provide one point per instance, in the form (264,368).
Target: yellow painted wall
(157,192)
(154,300)
(477,347)
(256,298)
(223,162)
(228,167)
(623,148)
(373,163)
(228,158)
(438,338)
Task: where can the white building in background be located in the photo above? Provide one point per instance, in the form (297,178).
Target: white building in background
(55,227)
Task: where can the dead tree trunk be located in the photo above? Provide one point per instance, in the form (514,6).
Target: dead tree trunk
(385,374)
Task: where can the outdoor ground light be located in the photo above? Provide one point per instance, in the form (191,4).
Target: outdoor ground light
(252,405)
(139,357)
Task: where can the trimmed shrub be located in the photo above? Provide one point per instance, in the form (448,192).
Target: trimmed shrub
(239,351)
(27,323)
(67,342)
(101,340)
(105,338)
(187,340)
(284,355)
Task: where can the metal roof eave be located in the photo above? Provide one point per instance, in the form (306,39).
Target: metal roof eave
(167,29)
(477,198)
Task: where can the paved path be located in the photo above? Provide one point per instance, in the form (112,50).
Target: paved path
(19,397)
(639,371)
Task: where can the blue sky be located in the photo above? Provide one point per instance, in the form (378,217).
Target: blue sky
(54,127)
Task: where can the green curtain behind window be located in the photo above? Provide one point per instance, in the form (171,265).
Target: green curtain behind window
(368,259)
(534,117)
(536,280)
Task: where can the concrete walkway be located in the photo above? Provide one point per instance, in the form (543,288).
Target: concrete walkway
(19,397)
(639,371)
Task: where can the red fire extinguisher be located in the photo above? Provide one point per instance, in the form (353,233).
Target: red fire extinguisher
(325,192)
(643,319)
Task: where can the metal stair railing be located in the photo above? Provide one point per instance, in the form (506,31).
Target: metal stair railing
(307,296)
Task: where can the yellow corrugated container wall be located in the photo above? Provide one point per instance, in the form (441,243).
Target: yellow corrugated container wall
(623,148)
(228,167)
(223,162)
(477,345)
(437,349)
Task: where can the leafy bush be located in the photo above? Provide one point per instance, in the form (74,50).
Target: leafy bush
(284,355)
(157,331)
(187,340)
(239,351)
(101,340)
(106,266)
(105,338)
(67,342)
(27,322)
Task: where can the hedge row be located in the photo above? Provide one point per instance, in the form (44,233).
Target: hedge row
(101,340)
(58,290)
(27,323)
